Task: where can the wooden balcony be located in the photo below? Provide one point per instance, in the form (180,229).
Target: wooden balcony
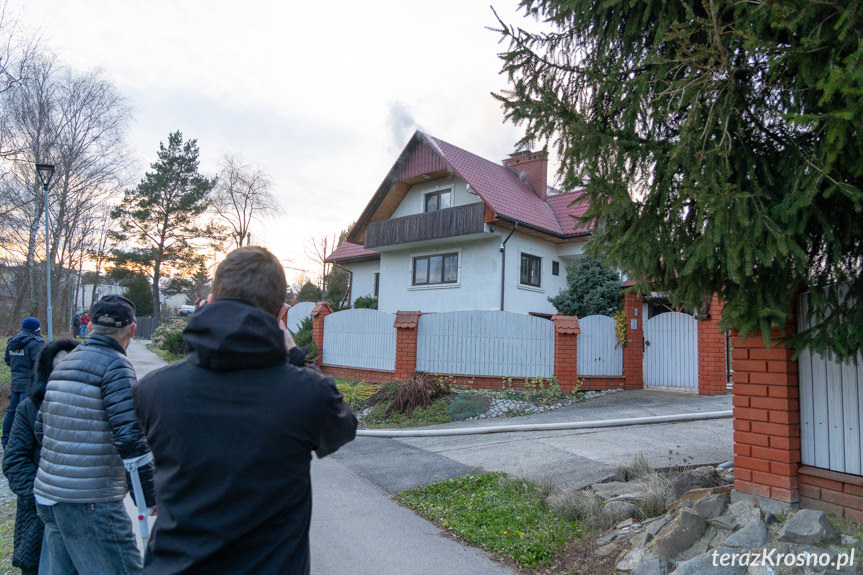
(446,223)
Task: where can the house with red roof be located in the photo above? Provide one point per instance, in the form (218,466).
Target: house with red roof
(448,230)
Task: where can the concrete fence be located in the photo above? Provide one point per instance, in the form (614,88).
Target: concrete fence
(486,349)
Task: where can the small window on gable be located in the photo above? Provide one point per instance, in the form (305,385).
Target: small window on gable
(440,200)
(555,268)
(531,270)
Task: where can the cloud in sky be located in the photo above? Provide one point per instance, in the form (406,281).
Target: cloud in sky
(322,96)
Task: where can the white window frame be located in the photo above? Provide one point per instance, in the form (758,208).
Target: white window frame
(439,191)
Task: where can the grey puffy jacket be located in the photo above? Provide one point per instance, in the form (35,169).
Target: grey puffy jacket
(88,426)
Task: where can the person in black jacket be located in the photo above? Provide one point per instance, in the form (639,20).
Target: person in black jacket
(232,429)
(21,459)
(21,352)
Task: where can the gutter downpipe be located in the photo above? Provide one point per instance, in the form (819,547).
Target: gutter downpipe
(503,264)
(700,416)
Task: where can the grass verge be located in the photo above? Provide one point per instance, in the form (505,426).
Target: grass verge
(506,516)
(7,530)
(166,355)
(434,414)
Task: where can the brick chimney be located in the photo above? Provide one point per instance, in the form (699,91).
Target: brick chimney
(532,169)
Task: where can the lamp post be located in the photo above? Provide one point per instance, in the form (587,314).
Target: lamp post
(45,172)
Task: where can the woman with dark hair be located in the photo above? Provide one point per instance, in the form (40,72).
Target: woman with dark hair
(21,458)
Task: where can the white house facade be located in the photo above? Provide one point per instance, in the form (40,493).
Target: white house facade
(448,231)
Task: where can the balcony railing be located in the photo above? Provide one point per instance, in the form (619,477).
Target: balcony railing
(446,223)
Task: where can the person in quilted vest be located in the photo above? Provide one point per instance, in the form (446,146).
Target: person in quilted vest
(88,428)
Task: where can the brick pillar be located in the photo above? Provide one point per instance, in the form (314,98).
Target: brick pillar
(293,302)
(633,352)
(406,343)
(766,418)
(712,361)
(319,314)
(566,332)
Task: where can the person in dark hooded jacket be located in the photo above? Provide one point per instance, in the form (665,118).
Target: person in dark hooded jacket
(232,429)
(21,459)
(20,356)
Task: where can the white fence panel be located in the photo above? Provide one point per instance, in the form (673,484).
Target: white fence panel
(831,408)
(671,351)
(485,343)
(598,352)
(362,338)
(298,313)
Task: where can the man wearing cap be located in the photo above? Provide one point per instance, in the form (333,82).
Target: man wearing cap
(21,352)
(88,426)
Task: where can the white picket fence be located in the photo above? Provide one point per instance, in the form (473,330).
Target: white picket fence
(831,408)
(298,313)
(485,343)
(363,338)
(598,351)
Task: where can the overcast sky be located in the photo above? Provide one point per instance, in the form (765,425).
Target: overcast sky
(321,95)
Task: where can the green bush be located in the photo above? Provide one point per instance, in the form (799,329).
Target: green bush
(303,338)
(366,302)
(467,405)
(591,288)
(169,336)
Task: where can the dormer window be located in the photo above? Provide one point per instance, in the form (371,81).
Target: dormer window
(439,200)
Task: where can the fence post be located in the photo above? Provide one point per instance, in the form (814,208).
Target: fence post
(566,332)
(633,351)
(766,417)
(712,361)
(406,325)
(319,314)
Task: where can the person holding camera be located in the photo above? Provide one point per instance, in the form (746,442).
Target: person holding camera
(232,429)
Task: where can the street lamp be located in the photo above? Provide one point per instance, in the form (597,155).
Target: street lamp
(45,172)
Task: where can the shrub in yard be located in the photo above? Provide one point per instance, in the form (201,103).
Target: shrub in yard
(366,302)
(467,405)
(303,338)
(169,336)
(419,391)
(356,393)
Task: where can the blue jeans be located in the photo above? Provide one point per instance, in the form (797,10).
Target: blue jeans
(88,539)
(14,399)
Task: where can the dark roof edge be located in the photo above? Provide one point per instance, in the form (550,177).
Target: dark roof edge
(543,230)
(354,259)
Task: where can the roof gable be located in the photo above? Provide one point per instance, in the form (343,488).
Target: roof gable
(510,199)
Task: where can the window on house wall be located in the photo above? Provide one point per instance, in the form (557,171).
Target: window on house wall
(439,200)
(438,269)
(555,268)
(531,270)
(377,283)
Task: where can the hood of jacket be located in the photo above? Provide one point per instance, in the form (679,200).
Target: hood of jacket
(231,334)
(22,338)
(52,351)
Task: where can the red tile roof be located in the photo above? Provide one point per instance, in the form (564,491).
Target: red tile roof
(565,213)
(349,251)
(501,189)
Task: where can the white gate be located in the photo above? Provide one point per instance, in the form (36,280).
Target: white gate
(490,343)
(362,338)
(671,351)
(831,408)
(598,352)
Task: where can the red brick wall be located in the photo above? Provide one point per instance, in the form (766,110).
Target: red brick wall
(406,343)
(832,492)
(369,375)
(601,382)
(633,352)
(712,365)
(766,418)
(319,314)
(566,332)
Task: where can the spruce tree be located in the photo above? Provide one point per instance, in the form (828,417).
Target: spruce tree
(592,288)
(719,144)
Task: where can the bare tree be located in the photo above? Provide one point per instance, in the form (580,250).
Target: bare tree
(242,195)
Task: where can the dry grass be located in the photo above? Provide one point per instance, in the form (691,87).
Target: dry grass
(638,468)
(418,391)
(584,506)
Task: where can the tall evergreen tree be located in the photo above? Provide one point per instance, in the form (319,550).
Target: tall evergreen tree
(718,142)
(591,288)
(161,215)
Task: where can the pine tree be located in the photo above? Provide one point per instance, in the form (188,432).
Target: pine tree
(719,144)
(138,292)
(161,214)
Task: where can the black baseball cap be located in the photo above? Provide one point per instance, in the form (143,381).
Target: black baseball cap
(113,311)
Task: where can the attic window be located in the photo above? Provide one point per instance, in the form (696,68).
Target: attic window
(439,200)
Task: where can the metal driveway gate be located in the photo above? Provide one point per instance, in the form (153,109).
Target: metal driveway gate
(671,351)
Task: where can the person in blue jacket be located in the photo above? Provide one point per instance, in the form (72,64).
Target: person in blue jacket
(21,353)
